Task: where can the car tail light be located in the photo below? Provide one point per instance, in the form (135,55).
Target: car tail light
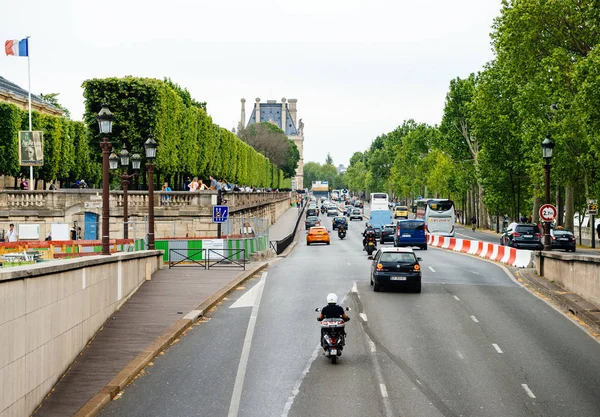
(379,267)
(416,267)
(540,235)
(553,237)
(515,234)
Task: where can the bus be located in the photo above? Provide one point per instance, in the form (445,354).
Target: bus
(438,214)
(379,201)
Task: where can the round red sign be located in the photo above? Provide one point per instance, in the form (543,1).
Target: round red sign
(548,212)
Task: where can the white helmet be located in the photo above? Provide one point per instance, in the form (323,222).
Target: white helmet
(332,298)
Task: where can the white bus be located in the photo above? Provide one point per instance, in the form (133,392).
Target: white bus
(379,201)
(438,214)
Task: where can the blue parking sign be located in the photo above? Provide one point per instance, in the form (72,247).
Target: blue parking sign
(220,214)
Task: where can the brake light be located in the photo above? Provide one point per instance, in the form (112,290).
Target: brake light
(416,267)
(540,235)
(553,237)
(515,234)
(379,267)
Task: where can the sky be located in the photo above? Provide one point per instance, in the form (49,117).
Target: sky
(358,68)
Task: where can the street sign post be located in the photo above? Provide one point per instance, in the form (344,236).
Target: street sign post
(593,207)
(220,214)
(548,212)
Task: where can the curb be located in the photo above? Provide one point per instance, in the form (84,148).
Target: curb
(568,302)
(95,405)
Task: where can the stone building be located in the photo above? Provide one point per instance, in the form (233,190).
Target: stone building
(12,93)
(284,115)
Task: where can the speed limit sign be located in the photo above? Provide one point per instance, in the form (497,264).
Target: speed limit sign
(547,212)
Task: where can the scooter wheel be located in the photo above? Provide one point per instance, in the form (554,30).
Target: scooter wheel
(334,360)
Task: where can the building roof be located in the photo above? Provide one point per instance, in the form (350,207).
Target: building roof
(271,112)
(13,88)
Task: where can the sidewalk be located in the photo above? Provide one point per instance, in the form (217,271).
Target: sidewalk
(146,324)
(284,225)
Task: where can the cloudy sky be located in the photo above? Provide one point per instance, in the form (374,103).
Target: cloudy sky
(357,67)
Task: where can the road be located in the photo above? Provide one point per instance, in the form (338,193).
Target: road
(473,343)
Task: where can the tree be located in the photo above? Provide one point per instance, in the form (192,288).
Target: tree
(329,159)
(52,98)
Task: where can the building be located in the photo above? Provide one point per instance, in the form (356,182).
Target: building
(283,115)
(12,93)
(341,169)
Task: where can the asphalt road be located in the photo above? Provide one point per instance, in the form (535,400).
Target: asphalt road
(473,343)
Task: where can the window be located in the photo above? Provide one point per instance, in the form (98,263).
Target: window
(440,205)
(527,229)
(400,257)
(411,226)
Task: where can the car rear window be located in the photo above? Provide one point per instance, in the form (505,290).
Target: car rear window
(527,229)
(401,257)
(411,225)
(355,211)
(312,218)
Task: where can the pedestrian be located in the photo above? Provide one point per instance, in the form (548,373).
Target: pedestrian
(73,231)
(213,183)
(473,223)
(194,185)
(186,184)
(598,230)
(202,186)
(529,219)
(166,198)
(24,185)
(12,234)
(52,186)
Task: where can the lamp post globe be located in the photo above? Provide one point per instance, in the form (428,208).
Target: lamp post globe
(113,161)
(124,157)
(150,146)
(547,148)
(136,161)
(105,120)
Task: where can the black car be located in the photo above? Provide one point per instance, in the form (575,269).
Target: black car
(339,220)
(387,234)
(563,239)
(312,212)
(396,266)
(522,236)
(312,221)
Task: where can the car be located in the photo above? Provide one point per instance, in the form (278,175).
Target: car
(358,204)
(339,220)
(317,234)
(356,214)
(522,236)
(563,239)
(401,211)
(312,221)
(397,267)
(312,212)
(410,233)
(332,211)
(387,233)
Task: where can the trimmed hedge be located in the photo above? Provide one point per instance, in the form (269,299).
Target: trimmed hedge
(188,141)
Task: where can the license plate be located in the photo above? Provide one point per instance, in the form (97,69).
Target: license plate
(528,236)
(398,278)
(333,352)
(563,238)
(406,235)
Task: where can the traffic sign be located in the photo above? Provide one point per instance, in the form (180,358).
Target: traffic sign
(593,207)
(548,212)
(220,214)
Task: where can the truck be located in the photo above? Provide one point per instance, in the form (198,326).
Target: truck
(320,189)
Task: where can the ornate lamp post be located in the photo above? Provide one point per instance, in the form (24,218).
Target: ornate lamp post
(547,147)
(105,120)
(124,159)
(150,148)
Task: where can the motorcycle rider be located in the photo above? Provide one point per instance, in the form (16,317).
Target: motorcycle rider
(342,228)
(369,235)
(332,311)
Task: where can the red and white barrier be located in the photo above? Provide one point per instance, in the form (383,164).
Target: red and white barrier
(510,256)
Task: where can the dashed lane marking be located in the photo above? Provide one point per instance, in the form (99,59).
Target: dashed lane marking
(474,319)
(497,348)
(528,391)
(456,298)
(432,270)
(372,346)
(354,288)
(363,316)
(383,390)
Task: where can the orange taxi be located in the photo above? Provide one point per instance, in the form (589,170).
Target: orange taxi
(317,235)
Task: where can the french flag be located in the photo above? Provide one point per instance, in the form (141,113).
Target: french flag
(17,47)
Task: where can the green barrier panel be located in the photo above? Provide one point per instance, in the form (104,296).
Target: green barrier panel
(163,245)
(195,244)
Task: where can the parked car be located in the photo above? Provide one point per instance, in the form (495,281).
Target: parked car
(356,214)
(396,266)
(563,239)
(339,220)
(317,235)
(312,221)
(522,236)
(387,234)
(410,233)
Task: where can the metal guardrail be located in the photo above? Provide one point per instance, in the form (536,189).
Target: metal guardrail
(226,261)
(207,258)
(187,258)
(281,245)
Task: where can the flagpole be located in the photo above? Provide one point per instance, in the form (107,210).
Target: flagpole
(30,127)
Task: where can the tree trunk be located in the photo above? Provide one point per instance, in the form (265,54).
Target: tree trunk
(559,206)
(485,221)
(535,213)
(569,208)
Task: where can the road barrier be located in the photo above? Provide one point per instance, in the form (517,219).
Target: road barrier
(281,245)
(510,256)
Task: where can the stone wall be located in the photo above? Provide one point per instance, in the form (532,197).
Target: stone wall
(579,274)
(49,312)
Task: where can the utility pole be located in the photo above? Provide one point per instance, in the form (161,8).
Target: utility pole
(219,202)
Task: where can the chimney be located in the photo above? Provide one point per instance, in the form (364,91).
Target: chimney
(293,102)
(257,107)
(243,115)
(283,117)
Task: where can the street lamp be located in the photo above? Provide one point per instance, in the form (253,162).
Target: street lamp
(124,159)
(150,148)
(105,120)
(547,148)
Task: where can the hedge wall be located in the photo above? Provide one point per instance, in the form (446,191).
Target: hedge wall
(188,141)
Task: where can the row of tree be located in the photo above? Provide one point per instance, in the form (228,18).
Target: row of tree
(486,152)
(189,143)
(315,171)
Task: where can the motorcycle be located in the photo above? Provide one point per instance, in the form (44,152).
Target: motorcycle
(322,209)
(370,247)
(341,233)
(333,336)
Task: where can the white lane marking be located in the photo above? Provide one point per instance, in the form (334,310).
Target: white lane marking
(236,396)
(474,319)
(456,298)
(419,382)
(372,346)
(383,390)
(363,316)
(249,298)
(354,288)
(296,389)
(387,405)
(460,355)
(432,270)
(497,348)
(528,391)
